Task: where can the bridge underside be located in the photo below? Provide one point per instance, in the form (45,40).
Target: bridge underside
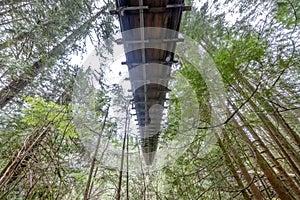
(149,56)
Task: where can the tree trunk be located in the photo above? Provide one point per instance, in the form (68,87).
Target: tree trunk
(265,149)
(12,2)
(255,191)
(285,147)
(274,180)
(230,165)
(14,87)
(33,140)
(282,191)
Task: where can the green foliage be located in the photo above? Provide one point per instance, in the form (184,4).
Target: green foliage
(40,111)
(195,177)
(288,12)
(174,117)
(239,53)
(196,81)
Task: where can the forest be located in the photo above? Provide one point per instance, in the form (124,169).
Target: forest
(231,126)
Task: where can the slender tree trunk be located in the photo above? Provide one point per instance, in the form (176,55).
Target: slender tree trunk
(274,180)
(230,165)
(14,87)
(272,112)
(282,191)
(265,149)
(283,123)
(30,143)
(255,191)
(12,2)
(285,147)
(88,187)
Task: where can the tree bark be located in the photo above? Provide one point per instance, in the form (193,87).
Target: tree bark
(268,153)
(274,180)
(230,165)
(282,191)
(285,147)
(255,191)
(33,140)
(12,2)
(16,86)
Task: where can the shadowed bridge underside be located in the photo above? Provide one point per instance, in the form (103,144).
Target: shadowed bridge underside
(149,57)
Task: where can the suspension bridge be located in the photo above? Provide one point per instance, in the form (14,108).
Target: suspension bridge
(149,50)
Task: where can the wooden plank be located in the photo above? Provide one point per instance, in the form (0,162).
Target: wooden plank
(149,62)
(135,9)
(162,40)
